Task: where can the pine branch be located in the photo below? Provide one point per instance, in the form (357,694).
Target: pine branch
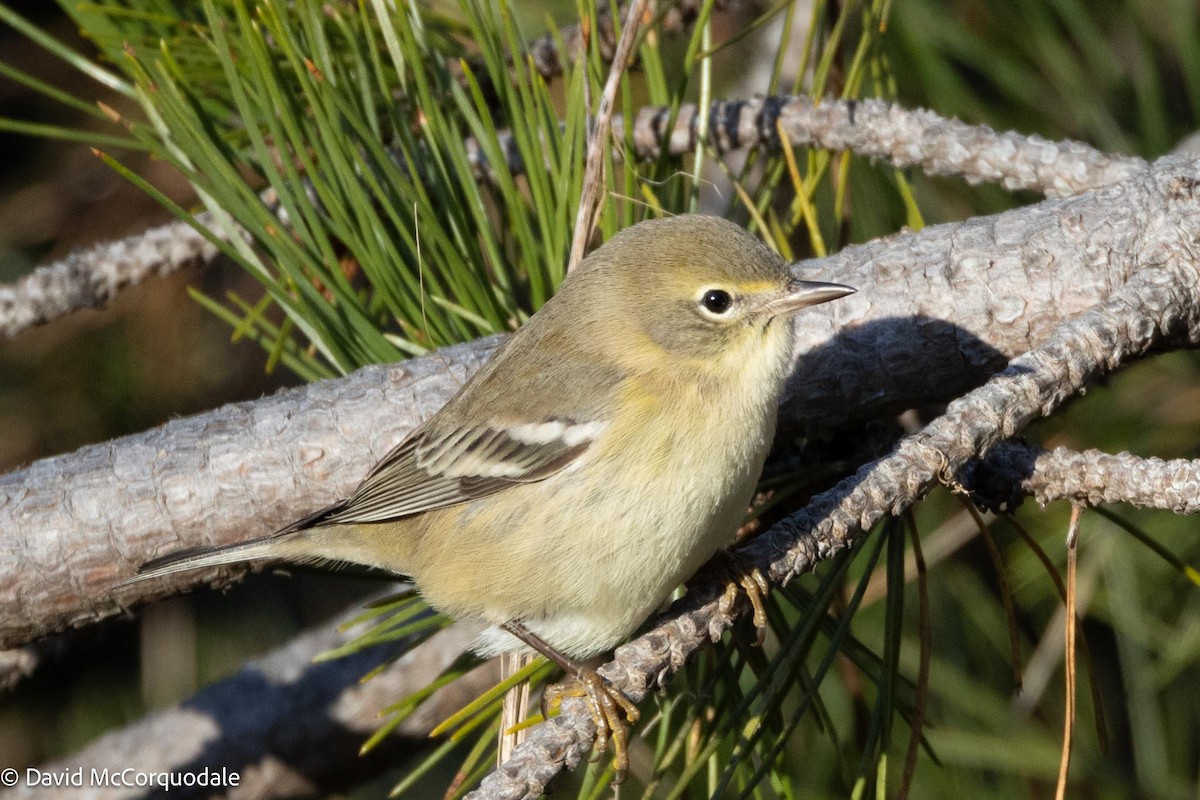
(94,276)
(84,521)
(873,128)
(1014,470)
(898,136)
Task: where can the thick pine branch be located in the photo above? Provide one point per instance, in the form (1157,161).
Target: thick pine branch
(75,525)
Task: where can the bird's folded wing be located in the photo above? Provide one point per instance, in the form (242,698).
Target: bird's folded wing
(435,468)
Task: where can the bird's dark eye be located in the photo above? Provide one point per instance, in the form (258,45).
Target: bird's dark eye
(717,301)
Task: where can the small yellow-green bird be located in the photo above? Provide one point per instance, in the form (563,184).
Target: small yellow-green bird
(607,451)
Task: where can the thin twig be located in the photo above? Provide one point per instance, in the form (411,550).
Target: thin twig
(598,136)
(93,276)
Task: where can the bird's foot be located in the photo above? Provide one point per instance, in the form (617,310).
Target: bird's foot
(610,709)
(742,577)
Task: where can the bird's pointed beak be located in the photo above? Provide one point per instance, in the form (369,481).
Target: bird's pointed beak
(802,294)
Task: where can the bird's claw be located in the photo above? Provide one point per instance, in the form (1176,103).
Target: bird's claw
(742,576)
(610,710)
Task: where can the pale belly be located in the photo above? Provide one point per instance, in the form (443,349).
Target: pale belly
(586,590)
(584,557)
(584,582)
(581,558)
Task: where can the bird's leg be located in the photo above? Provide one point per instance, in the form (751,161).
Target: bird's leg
(610,709)
(740,575)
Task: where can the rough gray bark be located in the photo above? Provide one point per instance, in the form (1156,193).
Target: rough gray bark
(93,276)
(75,525)
(1013,471)
(901,137)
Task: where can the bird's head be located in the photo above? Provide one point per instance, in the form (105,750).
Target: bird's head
(693,286)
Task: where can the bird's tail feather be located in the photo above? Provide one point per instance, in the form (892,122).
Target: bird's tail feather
(250,550)
(200,557)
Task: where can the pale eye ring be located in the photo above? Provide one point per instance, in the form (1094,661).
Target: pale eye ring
(717,301)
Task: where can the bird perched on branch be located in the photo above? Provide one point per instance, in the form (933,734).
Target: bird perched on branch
(605,453)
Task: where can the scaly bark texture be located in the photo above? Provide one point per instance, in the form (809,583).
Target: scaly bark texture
(75,525)
(92,277)
(899,136)
(1012,471)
